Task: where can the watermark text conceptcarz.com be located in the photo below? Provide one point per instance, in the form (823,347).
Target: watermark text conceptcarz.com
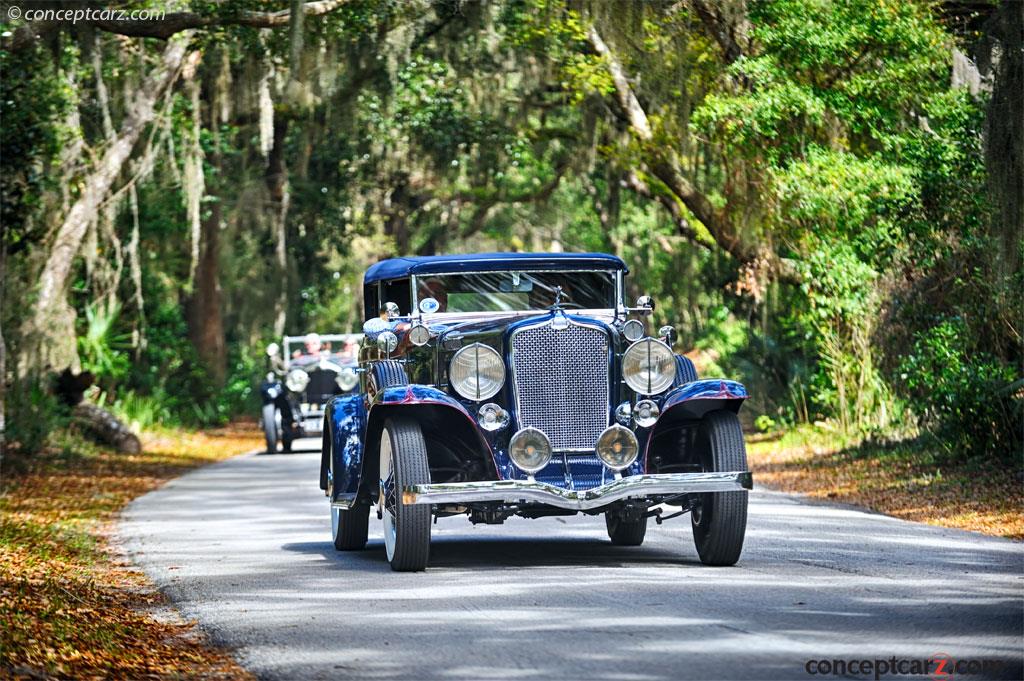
(74,15)
(939,667)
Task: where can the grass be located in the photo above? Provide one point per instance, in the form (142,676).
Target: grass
(70,605)
(913,479)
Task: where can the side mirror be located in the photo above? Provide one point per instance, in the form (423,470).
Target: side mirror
(645,305)
(273,349)
(390,310)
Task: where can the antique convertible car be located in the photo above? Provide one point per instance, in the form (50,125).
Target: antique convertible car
(300,382)
(509,384)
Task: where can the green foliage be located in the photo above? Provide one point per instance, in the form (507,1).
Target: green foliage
(833,140)
(33,96)
(559,32)
(972,401)
(765,423)
(32,417)
(142,412)
(103,349)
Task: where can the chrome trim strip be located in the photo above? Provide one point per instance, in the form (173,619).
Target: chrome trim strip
(583,500)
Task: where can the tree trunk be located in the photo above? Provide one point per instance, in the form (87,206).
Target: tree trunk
(49,337)
(205,321)
(277,212)
(204,307)
(1004,137)
(3,353)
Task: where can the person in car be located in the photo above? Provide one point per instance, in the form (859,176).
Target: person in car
(312,346)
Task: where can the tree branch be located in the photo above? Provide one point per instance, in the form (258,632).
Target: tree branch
(95,187)
(731,36)
(662,160)
(633,182)
(624,95)
(181,21)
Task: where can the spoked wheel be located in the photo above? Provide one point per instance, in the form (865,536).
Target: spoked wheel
(624,532)
(403,462)
(349,527)
(720,519)
(270,416)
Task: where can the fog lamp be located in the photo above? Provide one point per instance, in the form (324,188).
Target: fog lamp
(633,330)
(530,450)
(617,447)
(387,341)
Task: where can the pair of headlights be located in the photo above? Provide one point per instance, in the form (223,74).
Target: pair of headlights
(530,449)
(477,371)
(296,380)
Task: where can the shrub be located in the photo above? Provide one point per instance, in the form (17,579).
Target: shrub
(969,399)
(33,412)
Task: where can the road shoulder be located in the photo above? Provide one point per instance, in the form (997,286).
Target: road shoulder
(74,605)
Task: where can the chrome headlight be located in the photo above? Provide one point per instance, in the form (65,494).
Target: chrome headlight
(347,379)
(617,447)
(530,450)
(649,367)
(477,372)
(296,380)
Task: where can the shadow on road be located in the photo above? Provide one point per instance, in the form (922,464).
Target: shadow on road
(504,553)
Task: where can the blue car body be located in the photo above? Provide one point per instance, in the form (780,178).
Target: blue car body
(472,467)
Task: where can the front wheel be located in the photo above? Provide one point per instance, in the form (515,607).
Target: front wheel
(403,462)
(349,527)
(720,519)
(270,426)
(624,532)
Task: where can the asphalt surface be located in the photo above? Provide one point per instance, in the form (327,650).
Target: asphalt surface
(244,547)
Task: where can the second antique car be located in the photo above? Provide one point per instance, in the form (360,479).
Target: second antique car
(504,384)
(301,380)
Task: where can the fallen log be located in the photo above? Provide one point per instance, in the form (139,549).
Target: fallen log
(105,428)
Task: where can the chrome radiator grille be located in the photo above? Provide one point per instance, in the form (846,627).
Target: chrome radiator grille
(561,383)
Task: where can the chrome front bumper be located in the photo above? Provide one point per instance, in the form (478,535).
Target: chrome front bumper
(667,484)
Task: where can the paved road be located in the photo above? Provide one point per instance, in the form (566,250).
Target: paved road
(244,547)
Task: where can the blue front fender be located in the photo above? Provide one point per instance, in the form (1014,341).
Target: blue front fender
(693,400)
(417,394)
(689,403)
(420,402)
(347,414)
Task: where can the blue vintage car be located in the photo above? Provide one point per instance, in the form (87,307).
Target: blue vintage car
(501,384)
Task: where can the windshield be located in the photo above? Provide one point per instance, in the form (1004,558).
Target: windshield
(341,349)
(516,291)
